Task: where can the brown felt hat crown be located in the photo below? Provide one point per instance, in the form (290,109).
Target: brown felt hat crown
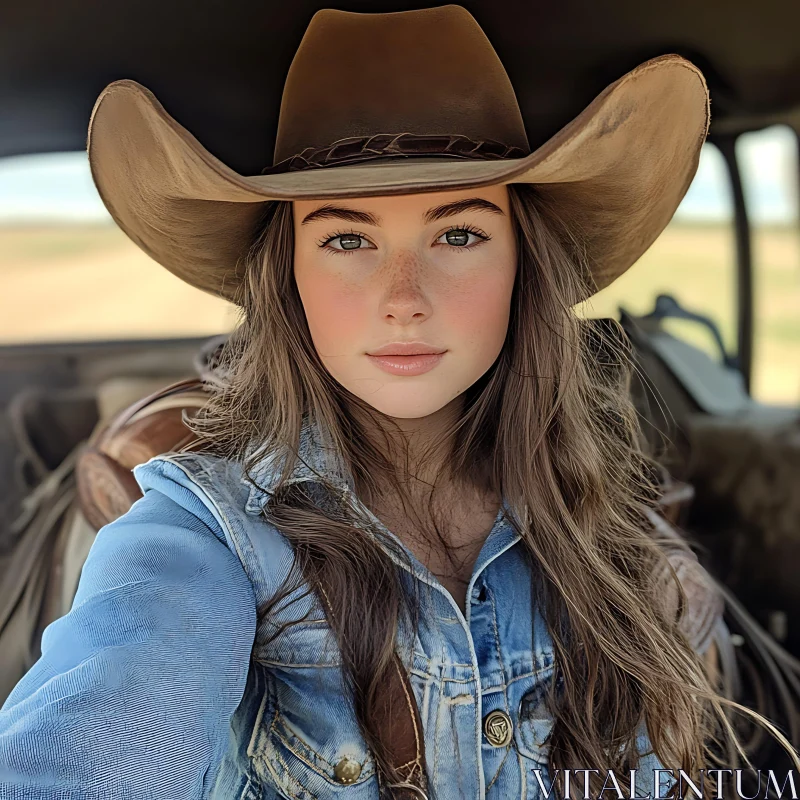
(397,103)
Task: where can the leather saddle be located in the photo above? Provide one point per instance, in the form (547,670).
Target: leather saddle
(107,489)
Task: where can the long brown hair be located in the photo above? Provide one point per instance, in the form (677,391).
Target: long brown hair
(550,428)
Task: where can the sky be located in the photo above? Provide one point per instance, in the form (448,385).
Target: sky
(58,187)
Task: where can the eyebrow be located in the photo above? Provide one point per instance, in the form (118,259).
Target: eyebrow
(329,211)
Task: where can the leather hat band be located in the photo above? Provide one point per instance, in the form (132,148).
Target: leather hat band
(356,149)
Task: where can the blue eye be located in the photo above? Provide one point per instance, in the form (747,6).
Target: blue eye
(347,242)
(463,237)
(459,238)
(350,241)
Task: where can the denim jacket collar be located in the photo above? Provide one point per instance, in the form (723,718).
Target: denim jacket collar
(317,459)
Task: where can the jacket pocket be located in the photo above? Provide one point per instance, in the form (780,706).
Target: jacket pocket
(306,744)
(535,720)
(531,735)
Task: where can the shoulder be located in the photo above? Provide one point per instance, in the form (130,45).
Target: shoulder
(170,550)
(203,484)
(218,494)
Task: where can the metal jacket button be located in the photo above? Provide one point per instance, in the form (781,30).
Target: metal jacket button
(497,728)
(347,770)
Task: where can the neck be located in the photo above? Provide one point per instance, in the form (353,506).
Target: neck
(420,451)
(418,447)
(417,450)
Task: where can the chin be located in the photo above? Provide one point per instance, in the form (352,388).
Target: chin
(406,402)
(408,410)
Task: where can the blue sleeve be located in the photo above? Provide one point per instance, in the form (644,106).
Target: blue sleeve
(133,694)
(652,779)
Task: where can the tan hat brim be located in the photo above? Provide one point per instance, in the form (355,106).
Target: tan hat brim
(621,168)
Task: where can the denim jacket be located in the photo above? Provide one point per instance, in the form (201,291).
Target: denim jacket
(158,683)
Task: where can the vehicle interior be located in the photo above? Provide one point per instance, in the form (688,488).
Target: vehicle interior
(729,444)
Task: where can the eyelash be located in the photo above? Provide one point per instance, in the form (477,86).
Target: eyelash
(484,237)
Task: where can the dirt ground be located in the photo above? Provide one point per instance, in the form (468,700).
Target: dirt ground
(88,283)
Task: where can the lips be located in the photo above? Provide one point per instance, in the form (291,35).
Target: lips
(407,349)
(407,365)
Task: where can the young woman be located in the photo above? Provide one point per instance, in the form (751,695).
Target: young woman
(415,553)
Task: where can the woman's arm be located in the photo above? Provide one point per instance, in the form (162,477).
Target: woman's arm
(134,690)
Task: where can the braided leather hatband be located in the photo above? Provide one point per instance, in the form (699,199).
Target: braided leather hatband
(355,149)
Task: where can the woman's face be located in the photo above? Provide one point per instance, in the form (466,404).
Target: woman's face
(407,297)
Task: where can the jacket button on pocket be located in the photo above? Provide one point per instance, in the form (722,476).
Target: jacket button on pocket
(497,728)
(347,770)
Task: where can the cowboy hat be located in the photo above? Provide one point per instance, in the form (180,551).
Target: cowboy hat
(395,103)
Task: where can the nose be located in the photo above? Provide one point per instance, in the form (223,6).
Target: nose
(404,299)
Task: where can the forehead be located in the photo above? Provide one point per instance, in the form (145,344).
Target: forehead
(424,207)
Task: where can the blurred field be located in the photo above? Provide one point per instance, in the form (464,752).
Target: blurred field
(79,283)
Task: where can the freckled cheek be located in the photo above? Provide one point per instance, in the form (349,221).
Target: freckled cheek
(478,315)
(335,315)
